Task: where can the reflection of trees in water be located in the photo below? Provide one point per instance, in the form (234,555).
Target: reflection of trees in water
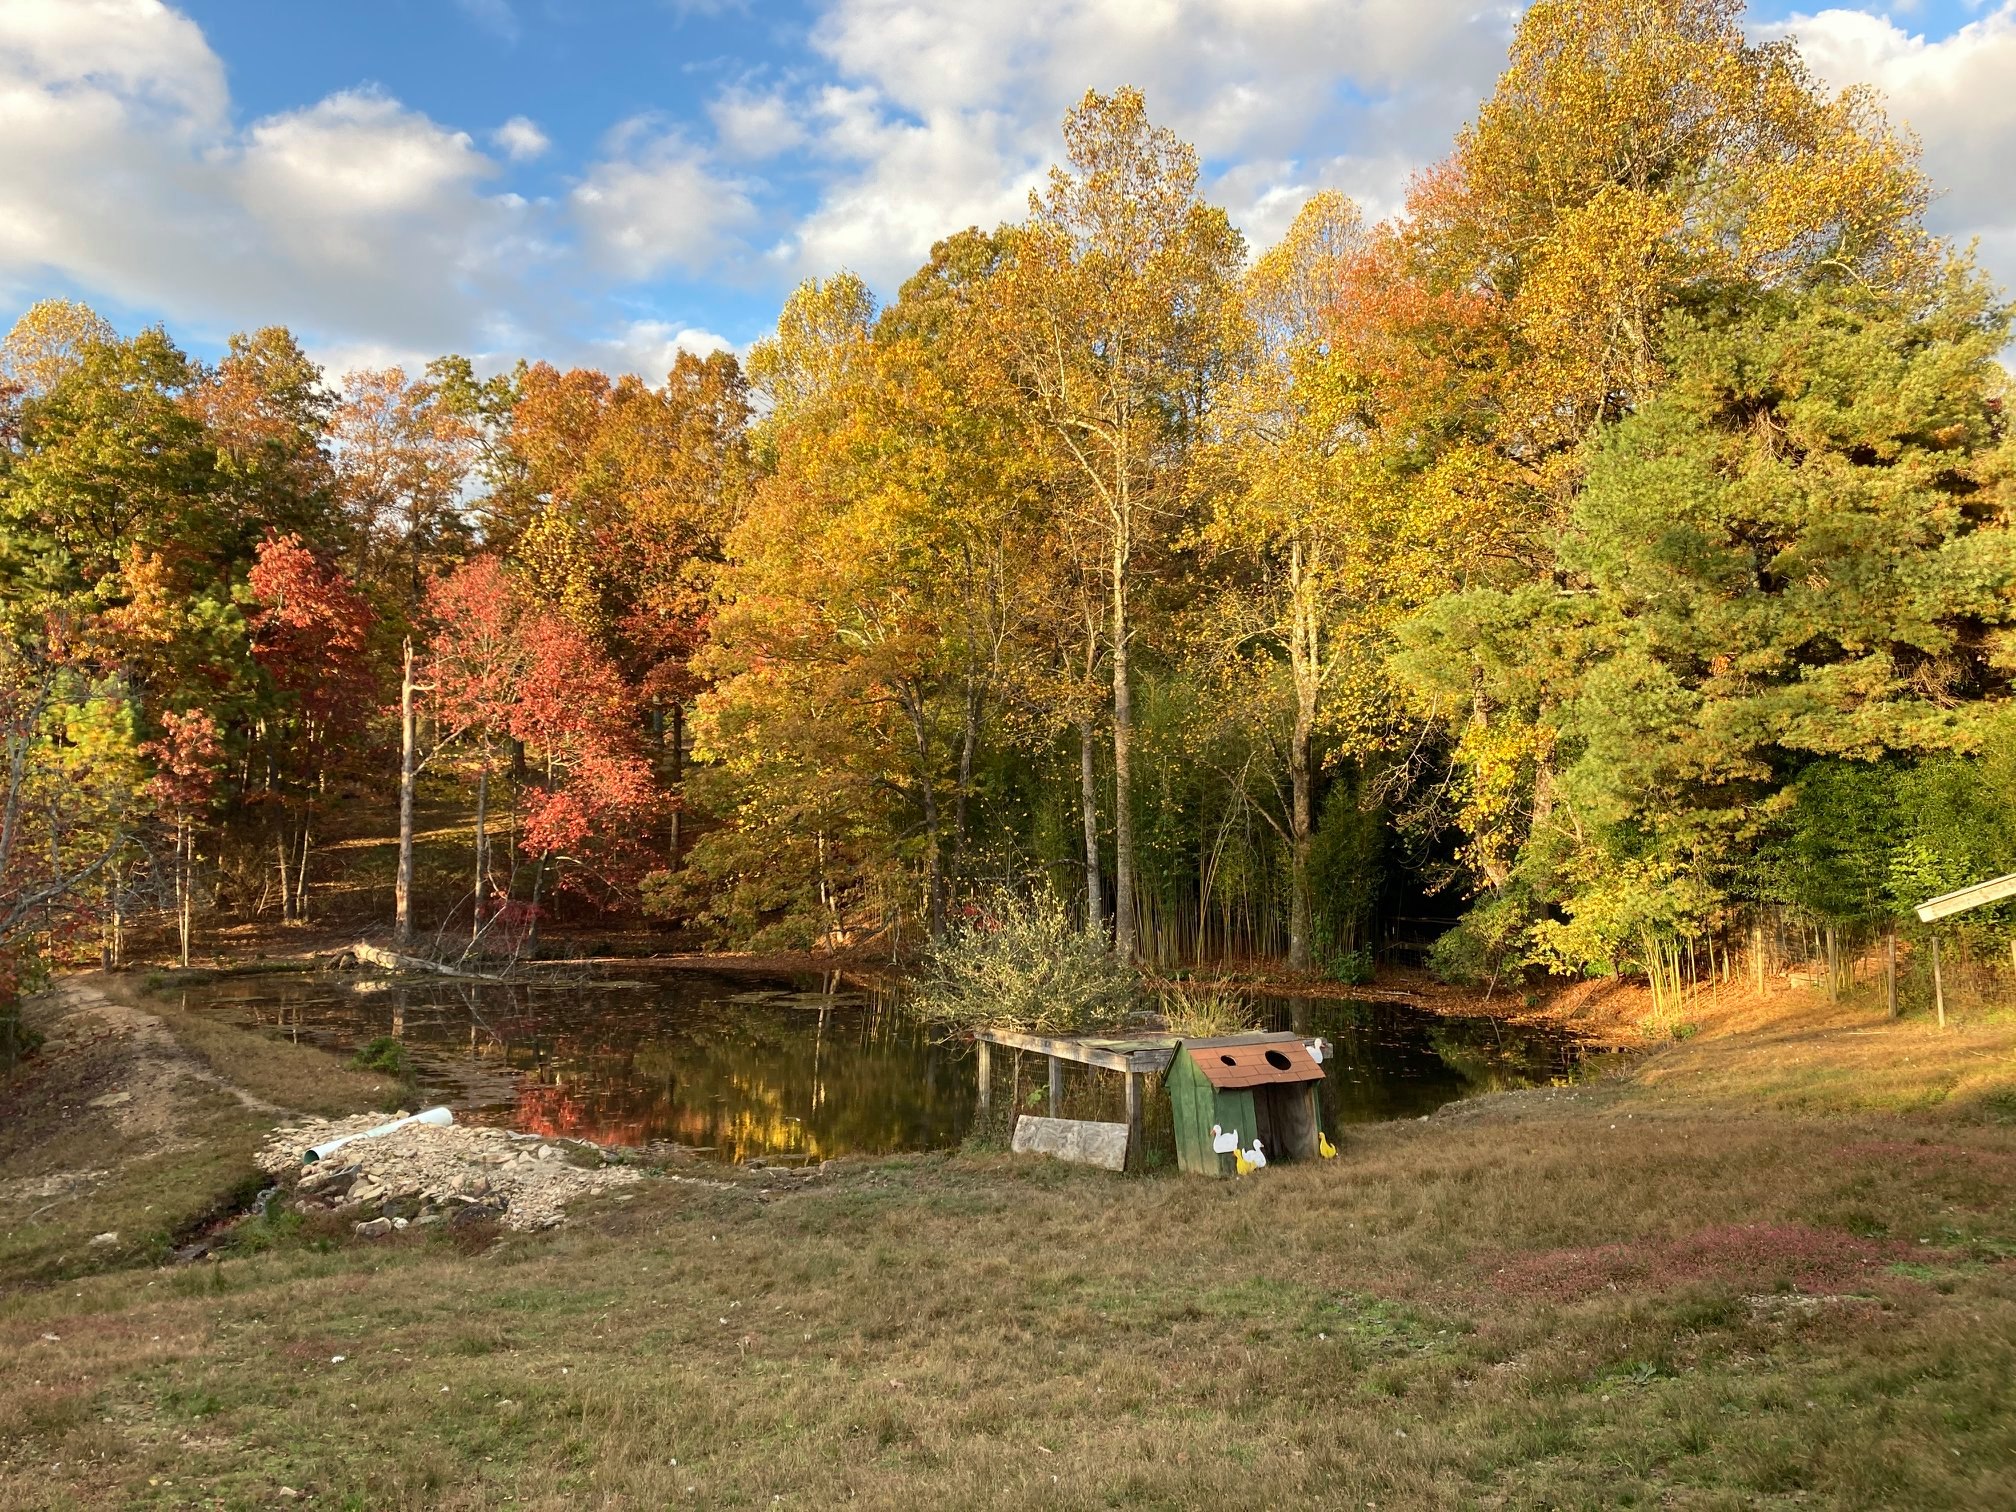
(1391,1061)
(677,1061)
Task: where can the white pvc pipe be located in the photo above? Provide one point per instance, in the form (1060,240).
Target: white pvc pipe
(439,1117)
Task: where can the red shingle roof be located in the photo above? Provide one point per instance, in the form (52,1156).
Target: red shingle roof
(1254,1065)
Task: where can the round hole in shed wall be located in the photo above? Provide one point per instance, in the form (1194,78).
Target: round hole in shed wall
(1228,1060)
(1277,1060)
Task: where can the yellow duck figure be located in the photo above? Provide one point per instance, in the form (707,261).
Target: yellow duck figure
(1240,1163)
(1323,1146)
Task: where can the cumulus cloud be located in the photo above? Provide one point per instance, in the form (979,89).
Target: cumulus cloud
(353,217)
(648,348)
(1955,93)
(520,139)
(945,113)
(655,202)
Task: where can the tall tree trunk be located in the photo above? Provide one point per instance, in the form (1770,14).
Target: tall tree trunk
(1303,667)
(934,864)
(482,889)
(184,884)
(286,879)
(1124,935)
(402,887)
(969,741)
(1088,809)
(301,873)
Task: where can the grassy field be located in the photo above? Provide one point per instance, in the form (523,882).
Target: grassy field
(1775,1267)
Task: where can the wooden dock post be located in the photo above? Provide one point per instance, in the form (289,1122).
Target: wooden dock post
(984,1058)
(1056,1087)
(1134,1117)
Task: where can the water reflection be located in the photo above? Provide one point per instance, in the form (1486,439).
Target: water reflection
(1392,1061)
(807,1069)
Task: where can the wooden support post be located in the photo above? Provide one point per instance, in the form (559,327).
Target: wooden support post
(1134,1119)
(1056,1087)
(984,1060)
(1890,972)
(1938,983)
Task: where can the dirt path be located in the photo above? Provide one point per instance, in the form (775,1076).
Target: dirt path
(160,1065)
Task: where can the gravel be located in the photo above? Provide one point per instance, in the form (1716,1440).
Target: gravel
(424,1171)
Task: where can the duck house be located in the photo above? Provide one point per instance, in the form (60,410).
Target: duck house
(1228,1092)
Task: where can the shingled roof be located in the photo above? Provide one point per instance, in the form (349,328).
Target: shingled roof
(1232,1063)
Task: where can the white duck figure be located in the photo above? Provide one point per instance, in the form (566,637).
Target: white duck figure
(1255,1157)
(1223,1143)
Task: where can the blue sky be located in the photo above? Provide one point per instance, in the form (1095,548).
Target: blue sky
(601,181)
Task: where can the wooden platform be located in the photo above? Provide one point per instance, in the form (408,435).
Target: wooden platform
(1134,1056)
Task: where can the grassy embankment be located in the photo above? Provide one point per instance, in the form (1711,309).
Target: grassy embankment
(1772,1268)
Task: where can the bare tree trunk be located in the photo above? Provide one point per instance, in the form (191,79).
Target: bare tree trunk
(482,890)
(301,874)
(969,740)
(1088,809)
(184,884)
(118,919)
(1124,940)
(402,887)
(1300,831)
(934,864)
(286,882)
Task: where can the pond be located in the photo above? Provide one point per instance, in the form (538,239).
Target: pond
(743,1068)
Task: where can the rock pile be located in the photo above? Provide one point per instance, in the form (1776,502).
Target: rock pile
(425,1173)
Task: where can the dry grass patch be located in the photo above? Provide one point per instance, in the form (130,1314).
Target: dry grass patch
(986,1332)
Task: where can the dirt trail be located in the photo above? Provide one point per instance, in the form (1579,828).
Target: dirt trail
(160,1065)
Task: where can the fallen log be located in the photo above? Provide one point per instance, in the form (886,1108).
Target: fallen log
(391,960)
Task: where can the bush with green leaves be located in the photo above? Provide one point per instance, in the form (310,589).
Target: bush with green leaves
(1022,962)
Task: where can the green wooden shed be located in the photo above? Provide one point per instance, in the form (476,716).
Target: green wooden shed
(1239,1088)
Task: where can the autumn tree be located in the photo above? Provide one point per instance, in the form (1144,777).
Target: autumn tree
(311,635)
(477,662)
(1112,327)
(1301,503)
(402,452)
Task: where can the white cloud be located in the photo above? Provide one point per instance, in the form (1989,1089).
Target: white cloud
(754,126)
(355,218)
(1956,93)
(520,139)
(655,203)
(944,113)
(648,348)
(138,51)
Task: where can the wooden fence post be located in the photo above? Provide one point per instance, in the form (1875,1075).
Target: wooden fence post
(1938,983)
(984,1059)
(1056,1087)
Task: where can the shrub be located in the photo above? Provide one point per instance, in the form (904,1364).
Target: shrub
(385,1054)
(1200,1012)
(1353,968)
(1021,962)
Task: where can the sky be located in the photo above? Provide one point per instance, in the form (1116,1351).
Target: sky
(604,182)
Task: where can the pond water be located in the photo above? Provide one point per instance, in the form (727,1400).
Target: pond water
(806,1069)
